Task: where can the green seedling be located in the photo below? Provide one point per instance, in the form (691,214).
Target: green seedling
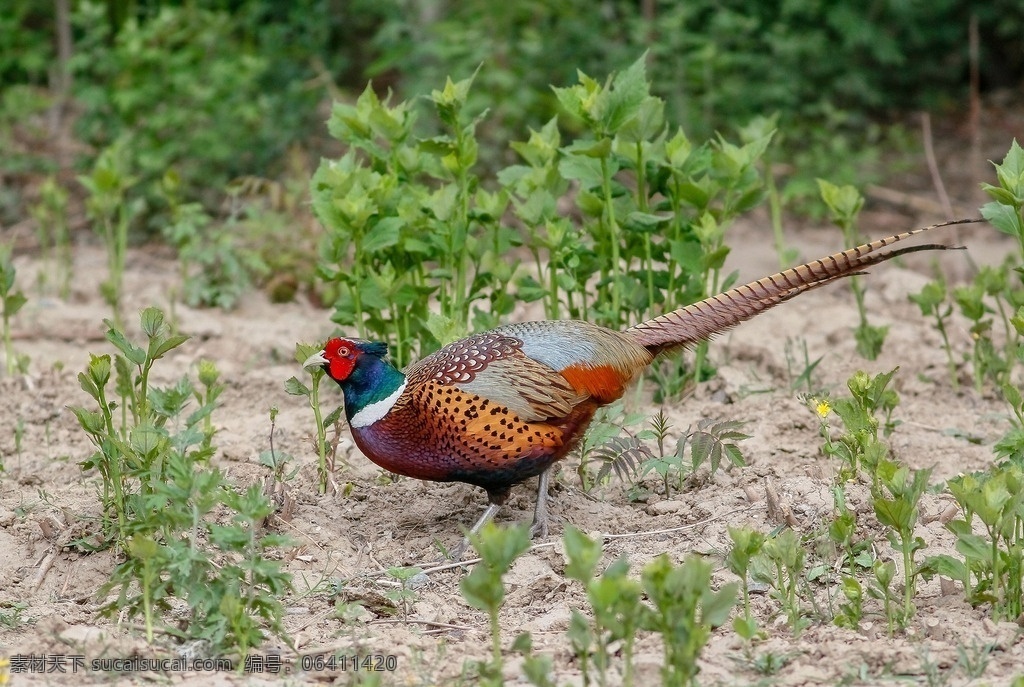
(325,451)
(844,204)
(537,669)
(804,364)
(883,573)
(746,544)
(708,444)
(11,301)
(13,618)
(780,564)
(991,569)
(51,216)
(685,611)
(276,460)
(932,302)
(852,610)
(897,506)
(615,600)
(111,212)
(484,588)
(405,595)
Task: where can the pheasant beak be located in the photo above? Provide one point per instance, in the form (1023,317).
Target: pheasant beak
(315,360)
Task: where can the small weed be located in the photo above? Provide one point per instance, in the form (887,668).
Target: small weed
(11,301)
(404,596)
(51,216)
(326,451)
(276,460)
(781,564)
(709,443)
(159,496)
(13,618)
(932,301)
(604,447)
(746,544)
(799,366)
(111,212)
(974,659)
(215,269)
(844,204)
(483,588)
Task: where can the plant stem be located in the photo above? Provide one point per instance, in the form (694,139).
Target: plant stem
(613,236)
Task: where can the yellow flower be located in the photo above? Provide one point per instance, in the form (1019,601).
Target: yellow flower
(823,408)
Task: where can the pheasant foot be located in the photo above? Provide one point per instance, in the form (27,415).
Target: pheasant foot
(459,550)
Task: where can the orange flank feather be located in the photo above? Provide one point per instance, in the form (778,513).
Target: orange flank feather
(603,382)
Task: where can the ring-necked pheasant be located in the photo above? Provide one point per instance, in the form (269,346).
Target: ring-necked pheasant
(499,407)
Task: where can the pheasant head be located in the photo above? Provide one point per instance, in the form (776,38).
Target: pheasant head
(370,383)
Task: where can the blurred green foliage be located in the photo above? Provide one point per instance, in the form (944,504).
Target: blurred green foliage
(214,89)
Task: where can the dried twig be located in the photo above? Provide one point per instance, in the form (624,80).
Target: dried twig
(933,167)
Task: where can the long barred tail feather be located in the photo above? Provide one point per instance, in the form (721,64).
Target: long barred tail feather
(711,316)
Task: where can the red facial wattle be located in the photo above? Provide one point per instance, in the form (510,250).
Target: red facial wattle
(340,355)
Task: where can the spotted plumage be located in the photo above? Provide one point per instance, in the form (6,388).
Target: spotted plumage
(502,406)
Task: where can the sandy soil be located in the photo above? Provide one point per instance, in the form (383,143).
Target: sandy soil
(45,499)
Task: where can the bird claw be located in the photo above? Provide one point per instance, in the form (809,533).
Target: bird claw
(456,554)
(539,529)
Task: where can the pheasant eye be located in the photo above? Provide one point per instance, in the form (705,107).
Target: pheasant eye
(343,352)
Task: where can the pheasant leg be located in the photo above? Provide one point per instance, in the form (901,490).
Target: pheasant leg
(539,529)
(459,550)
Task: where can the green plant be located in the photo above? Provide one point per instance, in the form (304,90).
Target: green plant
(11,301)
(685,611)
(215,269)
(276,460)
(615,600)
(896,502)
(973,660)
(781,564)
(604,446)
(844,204)
(111,211)
(326,452)
(883,573)
(803,364)
(859,447)
(224,120)
(852,610)
(51,216)
(992,565)
(709,443)
(483,587)
(405,596)
(746,544)
(13,619)
(932,301)
(409,220)
(159,496)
